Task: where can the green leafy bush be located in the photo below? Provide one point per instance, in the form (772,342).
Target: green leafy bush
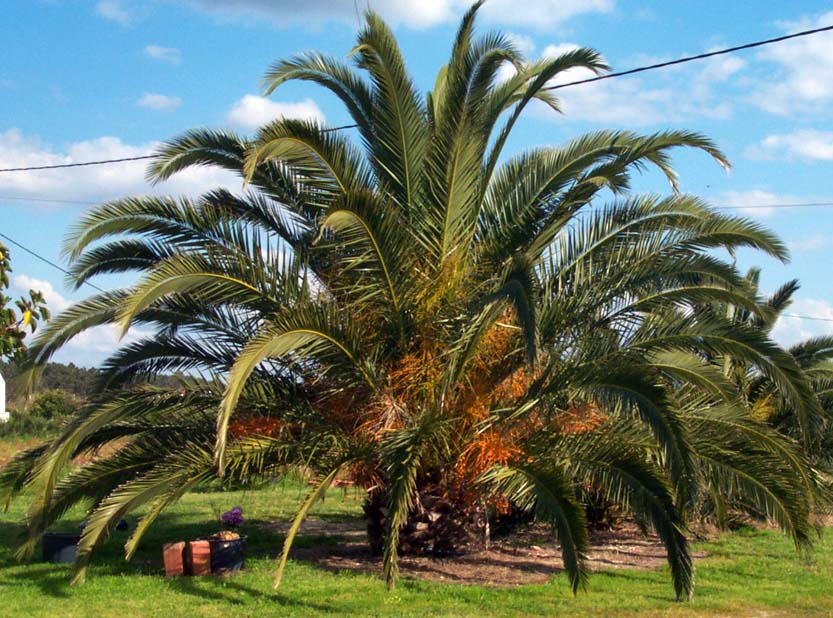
(45,415)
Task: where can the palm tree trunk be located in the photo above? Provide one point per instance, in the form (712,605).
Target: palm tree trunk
(439,524)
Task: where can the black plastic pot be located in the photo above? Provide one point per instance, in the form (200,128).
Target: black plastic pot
(227,555)
(60,547)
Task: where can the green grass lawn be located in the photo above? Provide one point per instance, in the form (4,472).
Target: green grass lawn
(750,573)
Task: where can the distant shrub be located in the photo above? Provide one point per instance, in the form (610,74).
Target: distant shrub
(45,415)
(53,404)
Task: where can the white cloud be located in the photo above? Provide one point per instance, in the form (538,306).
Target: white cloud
(418,14)
(166,54)
(788,330)
(671,96)
(802,144)
(753,202)
(88,348)
(720,68)
(54,300)
(524,43)
(160,102)
(113,10)
(803,78)
(538,14)
(94,182)
(811,243)
(252,112)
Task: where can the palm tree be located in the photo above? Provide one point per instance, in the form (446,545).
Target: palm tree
(419,311)
(761,397)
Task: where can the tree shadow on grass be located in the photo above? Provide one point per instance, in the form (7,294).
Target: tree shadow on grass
(53,580)
(227,590)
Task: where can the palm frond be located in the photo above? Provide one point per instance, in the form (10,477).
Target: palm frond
(547,492)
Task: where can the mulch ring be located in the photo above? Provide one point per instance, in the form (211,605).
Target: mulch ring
(527,557)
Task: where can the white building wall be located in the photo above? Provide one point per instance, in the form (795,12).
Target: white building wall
(4,415)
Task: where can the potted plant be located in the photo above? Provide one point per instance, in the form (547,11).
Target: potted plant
(60,547)
(228,547)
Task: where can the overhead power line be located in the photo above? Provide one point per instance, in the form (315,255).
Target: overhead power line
(81,164)
(806,317)
(33,168)
(685,59)
(578,82)
(761,206)
(45,260)
(23,198)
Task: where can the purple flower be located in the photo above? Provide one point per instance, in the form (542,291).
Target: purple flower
(232,518)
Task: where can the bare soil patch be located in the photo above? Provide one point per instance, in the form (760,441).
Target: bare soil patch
(526,557)
(9,447)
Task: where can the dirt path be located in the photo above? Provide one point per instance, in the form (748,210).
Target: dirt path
(526,558)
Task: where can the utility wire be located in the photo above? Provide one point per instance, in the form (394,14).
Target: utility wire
(81,164)
(23,198)
(43,259)
(760,206)
(684,59)
(578,82)
(122,160)
(805,317)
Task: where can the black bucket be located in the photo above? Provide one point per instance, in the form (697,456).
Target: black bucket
(60,547)
(227,556)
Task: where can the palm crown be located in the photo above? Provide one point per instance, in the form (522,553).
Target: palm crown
(420,309)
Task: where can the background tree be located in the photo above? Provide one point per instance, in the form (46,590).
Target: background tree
(17,317)
(762,398)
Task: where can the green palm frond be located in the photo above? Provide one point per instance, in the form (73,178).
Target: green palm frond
(332,74)
(326,161)
(614,461)
(164,481)
(314,496)
(397,113)
(200,147)
(313,333)
(756,469)
(211,279)
(402,453)
(544,490)
(687,368)
(17,472)
(624,389)
(383,245)
(531,85)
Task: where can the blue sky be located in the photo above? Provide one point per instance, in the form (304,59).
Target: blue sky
(89,80)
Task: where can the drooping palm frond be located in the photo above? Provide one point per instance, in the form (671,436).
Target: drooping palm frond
(546,491)
(614,460)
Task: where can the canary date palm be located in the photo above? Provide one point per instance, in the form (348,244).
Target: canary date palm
(413,307)
(762,398)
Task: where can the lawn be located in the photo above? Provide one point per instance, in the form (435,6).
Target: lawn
(748,573)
